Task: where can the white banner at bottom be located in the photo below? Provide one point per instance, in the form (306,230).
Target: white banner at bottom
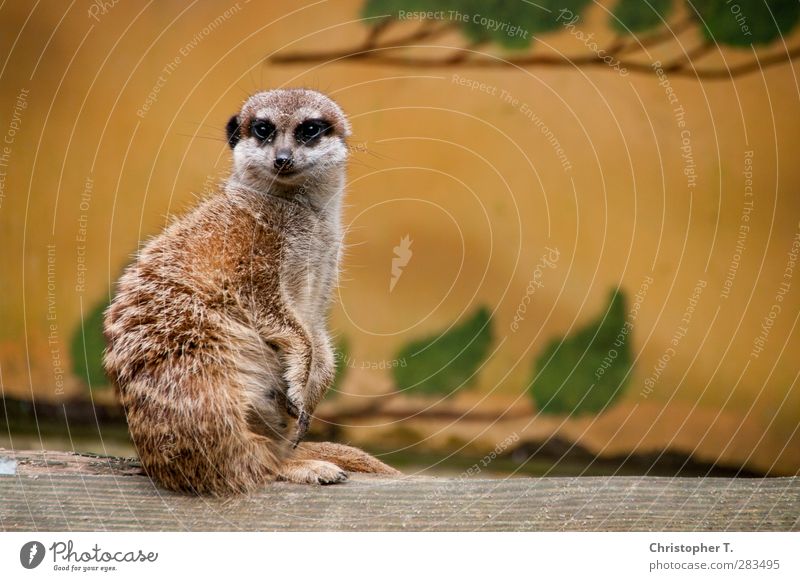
(402,556)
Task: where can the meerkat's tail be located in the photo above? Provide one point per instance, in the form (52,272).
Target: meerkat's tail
(346,457)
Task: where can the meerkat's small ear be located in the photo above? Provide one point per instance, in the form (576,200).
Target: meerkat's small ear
(232,129)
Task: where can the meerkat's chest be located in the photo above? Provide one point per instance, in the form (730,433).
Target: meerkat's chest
(309,268)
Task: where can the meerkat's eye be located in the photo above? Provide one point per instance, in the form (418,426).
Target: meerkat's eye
(263,130)
(311,130)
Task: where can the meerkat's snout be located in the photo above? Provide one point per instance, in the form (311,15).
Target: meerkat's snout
(283,160)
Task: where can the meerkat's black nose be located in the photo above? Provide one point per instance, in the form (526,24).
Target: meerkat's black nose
(283,160)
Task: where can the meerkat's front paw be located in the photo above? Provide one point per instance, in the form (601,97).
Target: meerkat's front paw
(312,472)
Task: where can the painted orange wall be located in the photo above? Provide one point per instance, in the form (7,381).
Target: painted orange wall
(467,174)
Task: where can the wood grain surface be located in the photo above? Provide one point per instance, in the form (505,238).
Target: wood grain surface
(48,491)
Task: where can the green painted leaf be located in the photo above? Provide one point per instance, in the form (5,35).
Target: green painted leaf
(512,24)
(552,15)
(586,371)
(638,16)
(447,362)
(87,363)
(743,23)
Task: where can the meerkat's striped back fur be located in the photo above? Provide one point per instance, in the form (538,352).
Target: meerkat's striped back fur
(217,339)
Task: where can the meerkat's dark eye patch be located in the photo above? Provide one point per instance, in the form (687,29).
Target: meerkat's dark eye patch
(311,129)
(262,130)
(232,130)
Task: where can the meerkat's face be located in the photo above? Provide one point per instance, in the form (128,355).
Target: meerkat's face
(288,136)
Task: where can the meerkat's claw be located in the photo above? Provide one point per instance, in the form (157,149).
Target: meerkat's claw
(292,409)
(295,404)
(302,427)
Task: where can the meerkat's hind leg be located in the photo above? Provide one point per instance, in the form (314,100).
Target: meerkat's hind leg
(348,457)
(306,471)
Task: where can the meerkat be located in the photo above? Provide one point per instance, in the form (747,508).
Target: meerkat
(217,339)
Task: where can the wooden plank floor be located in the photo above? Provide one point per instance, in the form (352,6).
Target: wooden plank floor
(61,491)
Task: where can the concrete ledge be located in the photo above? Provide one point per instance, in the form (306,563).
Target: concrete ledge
(63,491)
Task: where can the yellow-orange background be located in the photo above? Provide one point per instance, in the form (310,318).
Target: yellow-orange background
(473,182)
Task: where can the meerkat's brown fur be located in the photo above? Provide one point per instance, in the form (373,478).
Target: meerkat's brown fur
(217,339)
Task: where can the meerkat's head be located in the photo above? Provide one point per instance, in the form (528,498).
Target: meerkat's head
(288,137)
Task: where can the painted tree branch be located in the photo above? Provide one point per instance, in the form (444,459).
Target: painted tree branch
(79,412)
(689,58)
(424,414)
(373,52)
(428,30)
(381,408)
